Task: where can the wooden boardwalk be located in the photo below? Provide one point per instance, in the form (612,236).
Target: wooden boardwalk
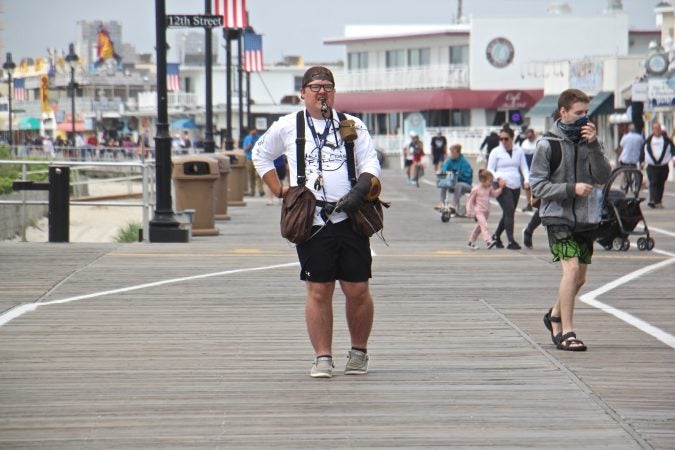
(203,345)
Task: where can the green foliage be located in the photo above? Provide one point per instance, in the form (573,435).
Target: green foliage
(129,233)
(11,172)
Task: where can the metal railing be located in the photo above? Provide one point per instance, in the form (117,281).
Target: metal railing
(146,176)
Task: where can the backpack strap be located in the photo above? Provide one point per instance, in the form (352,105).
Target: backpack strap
(351,166)
(556,152)
(300,147)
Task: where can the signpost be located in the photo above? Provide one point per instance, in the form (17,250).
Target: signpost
(193,21)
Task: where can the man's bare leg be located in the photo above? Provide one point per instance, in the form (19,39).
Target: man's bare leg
(319,316)
(360,311)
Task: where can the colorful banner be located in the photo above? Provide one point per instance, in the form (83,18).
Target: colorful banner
(44,94)
(20,94)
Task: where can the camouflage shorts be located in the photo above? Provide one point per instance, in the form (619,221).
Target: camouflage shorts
(565,243)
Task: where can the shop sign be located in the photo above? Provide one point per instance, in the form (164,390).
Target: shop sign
(639,92)
(661,93)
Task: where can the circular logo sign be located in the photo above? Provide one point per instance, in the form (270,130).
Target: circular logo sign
(499,52)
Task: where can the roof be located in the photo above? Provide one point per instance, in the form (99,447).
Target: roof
(422,100)
(369,33)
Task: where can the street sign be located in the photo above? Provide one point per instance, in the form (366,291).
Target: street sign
(193,21)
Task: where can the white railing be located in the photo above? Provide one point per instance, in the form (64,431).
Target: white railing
(423,77)
(148,100)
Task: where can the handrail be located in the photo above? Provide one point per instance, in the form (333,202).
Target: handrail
(147,174)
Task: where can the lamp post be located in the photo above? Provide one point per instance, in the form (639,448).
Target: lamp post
(9,67)
(72,59)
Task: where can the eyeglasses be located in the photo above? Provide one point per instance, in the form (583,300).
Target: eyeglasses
(504,139)
(317,87)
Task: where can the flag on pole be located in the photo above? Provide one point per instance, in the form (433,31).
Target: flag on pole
(253,55)
(233,12)
(173,77)
(20,93)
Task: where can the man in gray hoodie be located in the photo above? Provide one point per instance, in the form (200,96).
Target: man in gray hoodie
(568,168)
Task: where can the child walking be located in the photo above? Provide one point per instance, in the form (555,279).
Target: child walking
(478,206)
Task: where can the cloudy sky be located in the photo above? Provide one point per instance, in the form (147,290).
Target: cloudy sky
(289,27)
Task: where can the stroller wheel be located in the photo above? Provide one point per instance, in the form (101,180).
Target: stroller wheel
(642,244)
(625,245)
(617,243)
(445,216)
(650,244)
(607,247)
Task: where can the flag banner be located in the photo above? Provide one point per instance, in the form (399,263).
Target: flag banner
(20,93)
(105,47)
(44,94)
(173,77)
(253,55)
(233,12)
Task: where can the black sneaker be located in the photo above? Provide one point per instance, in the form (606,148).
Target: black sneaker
(513,246)
(498,242)
(527,238)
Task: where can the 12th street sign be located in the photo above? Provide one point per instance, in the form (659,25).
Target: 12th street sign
(193,21)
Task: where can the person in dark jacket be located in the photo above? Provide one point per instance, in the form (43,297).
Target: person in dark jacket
(570,208)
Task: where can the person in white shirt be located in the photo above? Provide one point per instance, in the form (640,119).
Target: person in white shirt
(528,145)
(658,151)
(508,162)
(334,252)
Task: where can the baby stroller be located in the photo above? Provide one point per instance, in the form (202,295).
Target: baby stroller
(621,212)
(446,180)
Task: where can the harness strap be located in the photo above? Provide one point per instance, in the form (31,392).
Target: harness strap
(300,148)
(349,146)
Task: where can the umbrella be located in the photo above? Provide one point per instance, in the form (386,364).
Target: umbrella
(184,124)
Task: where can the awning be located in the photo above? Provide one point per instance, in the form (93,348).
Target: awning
(68,127)
(601,103)
(422,100)
(184,124)
(544,107)
(29,123)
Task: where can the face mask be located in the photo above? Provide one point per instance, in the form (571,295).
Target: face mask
(573,130)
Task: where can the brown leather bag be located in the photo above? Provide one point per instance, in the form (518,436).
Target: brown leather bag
(297,214)
(369,218)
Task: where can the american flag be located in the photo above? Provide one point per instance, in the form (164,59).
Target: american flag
(172,77)
(20,94)
(233,12)
(253,55)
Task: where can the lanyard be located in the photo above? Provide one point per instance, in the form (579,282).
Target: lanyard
(319,142)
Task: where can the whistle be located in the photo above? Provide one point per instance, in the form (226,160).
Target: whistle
(324,109)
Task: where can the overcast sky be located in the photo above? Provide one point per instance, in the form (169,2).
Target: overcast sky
(289,27)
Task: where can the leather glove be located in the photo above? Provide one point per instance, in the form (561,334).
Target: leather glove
(357,194)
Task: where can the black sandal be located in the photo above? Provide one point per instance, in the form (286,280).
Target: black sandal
(548,318)
(570,343)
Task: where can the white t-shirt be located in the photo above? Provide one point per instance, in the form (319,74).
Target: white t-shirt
(658,147)
(529,146)
(279,140)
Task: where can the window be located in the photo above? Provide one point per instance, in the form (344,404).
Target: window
(297,84)
(357,60)
(459,54)
(419,57)
(395,58)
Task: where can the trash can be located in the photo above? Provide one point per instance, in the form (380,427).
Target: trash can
(194,177)
(237,180)
(220,187)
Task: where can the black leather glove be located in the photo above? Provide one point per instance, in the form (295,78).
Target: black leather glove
(356,195)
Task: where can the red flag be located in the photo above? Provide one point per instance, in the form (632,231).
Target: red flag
(233,12)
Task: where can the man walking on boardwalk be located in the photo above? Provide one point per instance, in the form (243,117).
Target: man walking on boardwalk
(335,251)
(569,207)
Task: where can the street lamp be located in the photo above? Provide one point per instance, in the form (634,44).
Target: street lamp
(9,67)
(72,59)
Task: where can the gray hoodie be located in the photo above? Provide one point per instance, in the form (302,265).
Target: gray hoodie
(581,163)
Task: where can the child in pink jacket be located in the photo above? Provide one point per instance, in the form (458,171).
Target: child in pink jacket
(478,206)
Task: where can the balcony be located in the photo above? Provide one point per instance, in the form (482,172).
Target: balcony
(448,76)
(147,101)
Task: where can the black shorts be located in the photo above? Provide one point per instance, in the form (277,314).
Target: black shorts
(439,157)
(335,253)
